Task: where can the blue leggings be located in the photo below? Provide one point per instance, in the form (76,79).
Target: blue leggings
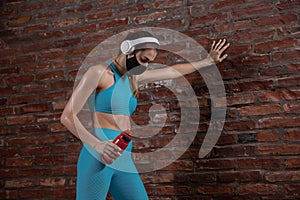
(95,179)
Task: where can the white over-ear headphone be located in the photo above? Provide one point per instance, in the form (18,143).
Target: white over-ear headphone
(128,46)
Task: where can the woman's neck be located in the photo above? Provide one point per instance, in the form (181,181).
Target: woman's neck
(120,63)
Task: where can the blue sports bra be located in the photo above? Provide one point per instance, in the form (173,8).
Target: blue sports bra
(117,99)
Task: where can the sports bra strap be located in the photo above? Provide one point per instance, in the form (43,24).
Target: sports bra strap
(115,71)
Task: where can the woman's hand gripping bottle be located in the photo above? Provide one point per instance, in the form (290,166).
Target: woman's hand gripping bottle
(122,140)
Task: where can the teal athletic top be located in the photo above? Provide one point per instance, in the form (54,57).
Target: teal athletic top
(117,99)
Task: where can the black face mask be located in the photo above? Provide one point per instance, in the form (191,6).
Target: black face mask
(134,67)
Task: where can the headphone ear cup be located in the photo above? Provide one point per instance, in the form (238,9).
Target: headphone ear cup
(126,47)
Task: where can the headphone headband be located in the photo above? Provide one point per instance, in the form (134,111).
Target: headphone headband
(128,46)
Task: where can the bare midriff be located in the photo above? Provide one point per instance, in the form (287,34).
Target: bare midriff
(111,121)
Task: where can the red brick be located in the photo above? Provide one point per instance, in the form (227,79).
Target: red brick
(158,178)
(31,7)
(9,173)
(279,122)
(234,151)
(142,19)
(285,149)
(50,139)
(168,3)
(80,51)
(49,160)
(180,165)
(63,193)
(287,5)
(23,59)
(239,125)
(249,36)
(52,182)
(9,71)
(35,28)
(215,190)
(258,189)
(9,52)
(52,34)
(206,164)
(80,9)
(173,190)
(292,189)
(50,75)
(52,54)
(240,176)
(19,162)
(259,110)
(22,183)
(32,193)
(20,79)
(289,82)
(274,177)
(276,20)
(34,108)
(197,10)
(30,151)
(259,163)
(35,172)
(19,21)
(292,162)
(20,120)
(61,23)
(274,45)
(253,60)
(55,128)
(203,177)
(100,15)
(47,15)
(267,137)
(82,29)
(238,99)
(281,95)
(20,141)
(134,9)
(287,55)
(226,3)
(52,96)
(293,135)
(208,19)
(8,111)
(251,10)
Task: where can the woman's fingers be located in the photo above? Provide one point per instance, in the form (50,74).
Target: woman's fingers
(223,48)
(219,45)
(217,49)
(112,151)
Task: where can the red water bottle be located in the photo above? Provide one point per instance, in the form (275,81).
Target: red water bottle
(122,140)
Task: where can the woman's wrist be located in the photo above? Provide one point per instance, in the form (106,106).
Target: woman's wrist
(99,146)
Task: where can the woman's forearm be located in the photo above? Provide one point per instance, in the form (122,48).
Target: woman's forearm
(188,68)
(73,124)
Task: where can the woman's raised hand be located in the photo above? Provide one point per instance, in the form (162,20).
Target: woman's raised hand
(217,49)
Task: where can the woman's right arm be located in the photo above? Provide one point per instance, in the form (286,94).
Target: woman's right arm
(89,82)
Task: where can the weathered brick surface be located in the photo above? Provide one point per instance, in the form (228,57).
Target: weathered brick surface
(43,43)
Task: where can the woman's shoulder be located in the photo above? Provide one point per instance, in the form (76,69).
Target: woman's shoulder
(97,69)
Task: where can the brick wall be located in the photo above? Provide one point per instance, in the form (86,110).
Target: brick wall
(43,43)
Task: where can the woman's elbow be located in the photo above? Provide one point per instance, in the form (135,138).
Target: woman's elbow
(65,119)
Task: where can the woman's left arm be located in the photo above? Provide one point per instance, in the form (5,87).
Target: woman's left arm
(215,56)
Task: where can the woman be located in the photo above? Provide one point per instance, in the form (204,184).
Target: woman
(114,101)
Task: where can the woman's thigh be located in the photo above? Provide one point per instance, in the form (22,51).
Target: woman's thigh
(93,178)
(127,186)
